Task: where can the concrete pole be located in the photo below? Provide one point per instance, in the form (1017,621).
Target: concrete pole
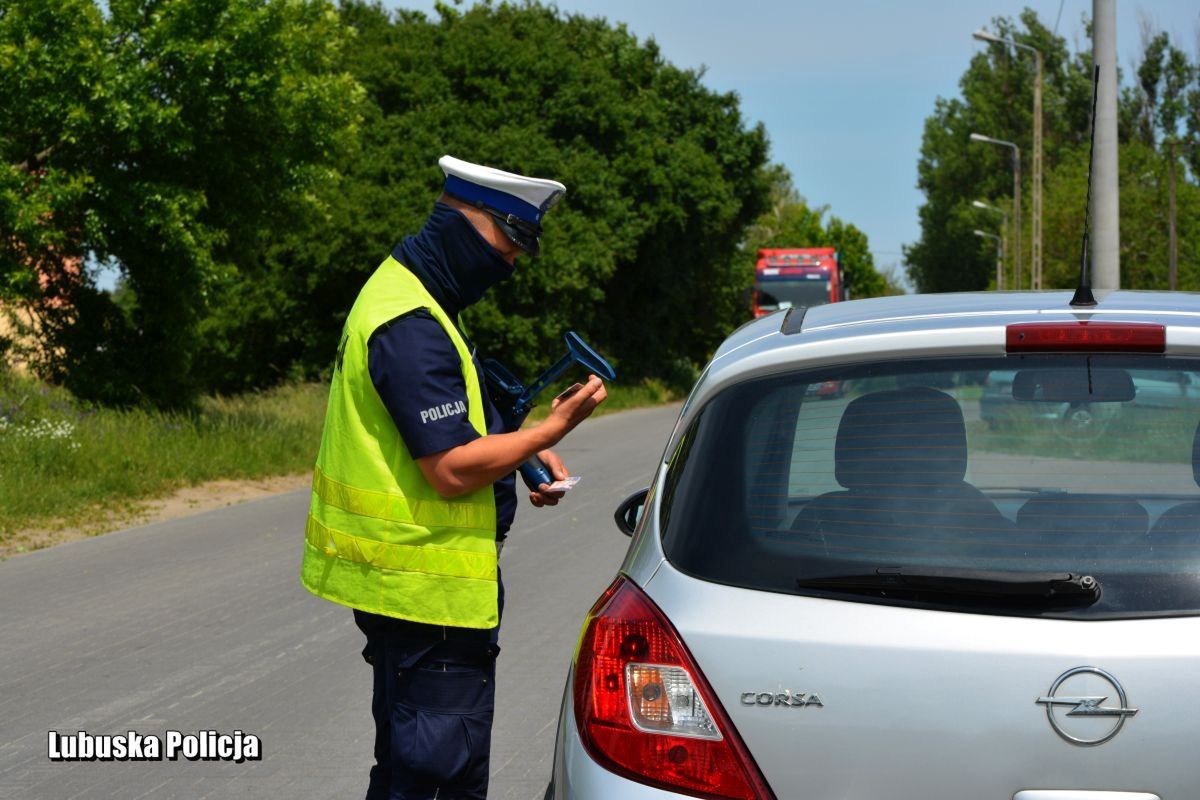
(1003,254)
(1172,234)
(1036,267)
(1000,264)
(1106,224)
(1016,218)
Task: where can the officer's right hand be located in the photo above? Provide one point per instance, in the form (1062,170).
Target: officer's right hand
(569,412)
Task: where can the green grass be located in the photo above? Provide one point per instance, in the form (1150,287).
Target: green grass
(1122,434)
(63,462)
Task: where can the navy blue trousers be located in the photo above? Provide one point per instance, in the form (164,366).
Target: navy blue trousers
(433,704)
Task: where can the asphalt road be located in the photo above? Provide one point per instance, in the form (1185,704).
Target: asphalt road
(201,624)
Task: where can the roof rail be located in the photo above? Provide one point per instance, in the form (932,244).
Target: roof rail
(793,320)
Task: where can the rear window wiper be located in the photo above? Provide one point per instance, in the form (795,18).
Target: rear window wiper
(1050,588)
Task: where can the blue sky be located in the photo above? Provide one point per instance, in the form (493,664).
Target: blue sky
(844,87)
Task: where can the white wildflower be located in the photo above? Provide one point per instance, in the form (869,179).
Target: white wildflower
(61,430)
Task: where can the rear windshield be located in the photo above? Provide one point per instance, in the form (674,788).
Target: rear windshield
(1042,465)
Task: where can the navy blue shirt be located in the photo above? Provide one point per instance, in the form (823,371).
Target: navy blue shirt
(418,375)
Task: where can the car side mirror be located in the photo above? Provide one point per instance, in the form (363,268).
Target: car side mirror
(629,513)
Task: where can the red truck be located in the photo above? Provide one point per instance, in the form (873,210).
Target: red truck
(802,276)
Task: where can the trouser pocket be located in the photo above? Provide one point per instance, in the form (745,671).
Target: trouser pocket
(442,727)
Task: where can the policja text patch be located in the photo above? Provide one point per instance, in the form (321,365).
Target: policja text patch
(443,411)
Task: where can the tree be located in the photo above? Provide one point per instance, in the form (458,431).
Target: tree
(173,138)
(50,58)
(663,178)
(1144,242)
(953,172)
(1163,78)
(997,101)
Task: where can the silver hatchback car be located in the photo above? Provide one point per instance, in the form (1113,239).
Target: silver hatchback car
(881,595)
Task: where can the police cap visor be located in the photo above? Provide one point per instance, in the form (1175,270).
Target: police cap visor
(520,232)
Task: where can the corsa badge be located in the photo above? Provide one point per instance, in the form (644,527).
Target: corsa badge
(785,698)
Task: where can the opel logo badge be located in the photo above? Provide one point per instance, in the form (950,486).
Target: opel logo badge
(1078,715)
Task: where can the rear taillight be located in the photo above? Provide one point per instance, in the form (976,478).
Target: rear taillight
(645,711)
(1067,337)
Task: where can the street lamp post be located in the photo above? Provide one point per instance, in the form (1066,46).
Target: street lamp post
(999,254)
(1035,268)
(979,137)
(1003,232)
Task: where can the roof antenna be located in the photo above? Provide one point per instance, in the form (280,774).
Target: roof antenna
(1083,292)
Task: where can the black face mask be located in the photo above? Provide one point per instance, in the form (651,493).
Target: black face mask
(452,259)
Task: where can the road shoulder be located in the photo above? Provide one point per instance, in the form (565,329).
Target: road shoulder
(183,502)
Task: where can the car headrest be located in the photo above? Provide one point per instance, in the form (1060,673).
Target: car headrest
(1096,514)
(902,437)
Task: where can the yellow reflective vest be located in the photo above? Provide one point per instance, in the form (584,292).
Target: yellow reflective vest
(379,537)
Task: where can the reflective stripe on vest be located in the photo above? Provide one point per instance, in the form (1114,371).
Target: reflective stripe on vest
(399,557)
(379,537)
(398,508)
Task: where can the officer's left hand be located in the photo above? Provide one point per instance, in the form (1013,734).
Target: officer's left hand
(541,497)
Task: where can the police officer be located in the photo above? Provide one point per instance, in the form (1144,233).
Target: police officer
(414,488)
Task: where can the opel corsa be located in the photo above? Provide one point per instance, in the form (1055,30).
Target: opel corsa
(884,595)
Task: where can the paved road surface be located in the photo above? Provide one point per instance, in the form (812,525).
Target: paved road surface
(200,623)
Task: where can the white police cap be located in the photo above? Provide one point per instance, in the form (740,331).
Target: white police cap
(516,202)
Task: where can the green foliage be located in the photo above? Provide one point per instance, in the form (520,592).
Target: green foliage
(1160,103)
(997,101)
(791,222)
(663,178)
(173,138)
(245,164)
(1143,182)
(50,60)
(61,459)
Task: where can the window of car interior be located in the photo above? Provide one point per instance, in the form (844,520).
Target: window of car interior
(942,465)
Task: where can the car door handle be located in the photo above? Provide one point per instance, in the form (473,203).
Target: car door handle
(1081,794)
